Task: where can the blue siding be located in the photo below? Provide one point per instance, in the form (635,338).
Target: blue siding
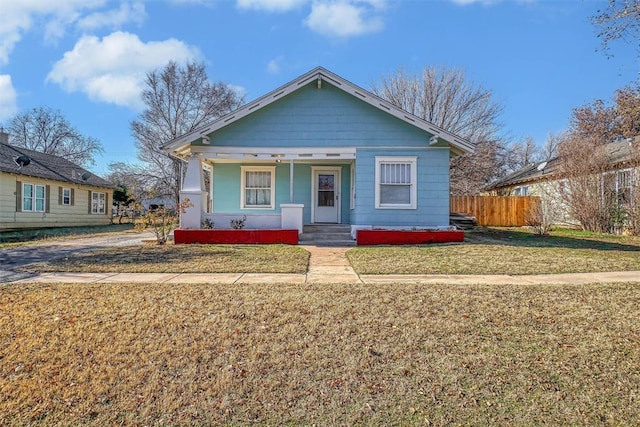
(326,117)
(432,191)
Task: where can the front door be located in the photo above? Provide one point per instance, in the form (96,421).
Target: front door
(326,203)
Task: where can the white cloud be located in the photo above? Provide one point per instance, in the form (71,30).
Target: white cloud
(345,18)
(273,66)
(8,97)
(115,18)
(112,70)
(270,5)
(18,17)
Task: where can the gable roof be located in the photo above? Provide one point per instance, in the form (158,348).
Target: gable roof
(618,152)
(458,144)
(47,166)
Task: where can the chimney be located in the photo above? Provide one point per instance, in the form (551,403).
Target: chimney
(4,137)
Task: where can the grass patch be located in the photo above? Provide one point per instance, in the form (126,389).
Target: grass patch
(274,354)
(505,251)
(11,238)
(151,258)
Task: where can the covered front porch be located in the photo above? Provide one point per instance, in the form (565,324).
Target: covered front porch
(267,188)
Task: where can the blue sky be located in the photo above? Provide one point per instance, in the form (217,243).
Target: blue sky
(88,58)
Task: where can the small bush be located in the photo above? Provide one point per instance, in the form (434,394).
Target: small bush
(162,220)
(238,224)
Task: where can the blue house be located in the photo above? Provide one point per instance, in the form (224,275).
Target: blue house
(318,150)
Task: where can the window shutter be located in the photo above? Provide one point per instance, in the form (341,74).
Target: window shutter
(89,212)
(47,198)
(73,199)
(59,195)
(106,203)
(18,196)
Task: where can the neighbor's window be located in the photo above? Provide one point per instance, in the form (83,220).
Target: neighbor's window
(66,196)
(258,187)
(98,203)
(396,182)
(521,191)
(33,198)
(623,185)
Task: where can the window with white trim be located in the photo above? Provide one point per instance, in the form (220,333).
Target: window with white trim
(98,202)
(396,182)
(33,198)
(66,196)
(521,191)
(258,187)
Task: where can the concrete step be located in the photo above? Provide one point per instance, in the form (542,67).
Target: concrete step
(327,235)
(326,228)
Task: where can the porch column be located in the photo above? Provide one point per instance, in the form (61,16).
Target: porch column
(193,189)
(291,181)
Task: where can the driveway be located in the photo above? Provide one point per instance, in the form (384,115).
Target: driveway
(10,258)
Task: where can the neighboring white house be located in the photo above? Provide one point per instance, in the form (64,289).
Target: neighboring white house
(545,179)
(40,190)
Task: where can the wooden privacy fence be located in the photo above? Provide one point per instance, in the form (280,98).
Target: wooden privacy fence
(499,211)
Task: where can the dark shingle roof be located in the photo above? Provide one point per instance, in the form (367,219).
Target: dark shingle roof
(47,166)
(618,152)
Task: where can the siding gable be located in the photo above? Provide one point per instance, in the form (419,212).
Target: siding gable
(312,117)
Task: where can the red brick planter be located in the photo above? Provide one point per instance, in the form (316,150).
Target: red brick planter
(251,237)
(401,237)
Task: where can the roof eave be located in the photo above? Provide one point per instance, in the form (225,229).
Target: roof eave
(458,145)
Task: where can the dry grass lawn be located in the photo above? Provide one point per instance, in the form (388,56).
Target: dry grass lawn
(505,251)
(151,258)
(327,355)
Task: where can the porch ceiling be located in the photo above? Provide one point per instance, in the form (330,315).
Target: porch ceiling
(248,154)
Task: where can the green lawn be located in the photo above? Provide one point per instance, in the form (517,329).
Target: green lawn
(505,251)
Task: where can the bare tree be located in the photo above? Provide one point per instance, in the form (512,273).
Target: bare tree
(596,120)
(550,148)
(627,107)
(523,153)
(620,20)
(48,131)
(447,99)
(178,100)
(587,190)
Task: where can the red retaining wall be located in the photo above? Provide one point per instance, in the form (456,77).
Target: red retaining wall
(398,237)
(207,236)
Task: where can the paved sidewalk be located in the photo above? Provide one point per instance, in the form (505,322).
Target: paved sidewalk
(324,275)
(326,265)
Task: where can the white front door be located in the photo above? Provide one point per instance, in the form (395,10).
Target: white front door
(326,195)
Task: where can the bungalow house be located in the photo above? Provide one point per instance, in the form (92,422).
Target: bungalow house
(318,150)
(41,190)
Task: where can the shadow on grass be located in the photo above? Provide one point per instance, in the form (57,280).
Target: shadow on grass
(558,239)
(54,232)
(156,254)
